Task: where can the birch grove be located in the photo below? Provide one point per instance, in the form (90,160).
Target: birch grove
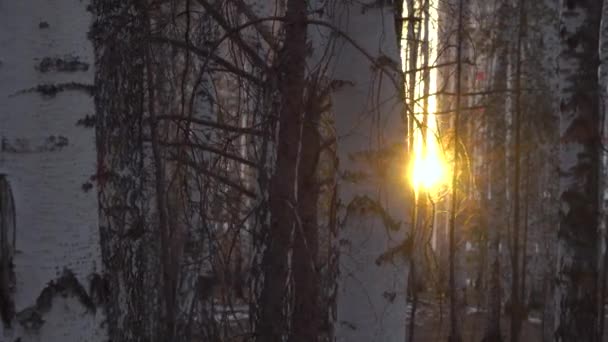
(303,170)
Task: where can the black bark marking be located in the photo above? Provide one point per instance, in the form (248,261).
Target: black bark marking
(20,145)
(51,90)
(570,4)
(88,121)
(7,248)
(31,318)
(404,249)
(572,42)
(65,64)
(99,289)
(87,186)
(389,296)
(67,284)
(364,206)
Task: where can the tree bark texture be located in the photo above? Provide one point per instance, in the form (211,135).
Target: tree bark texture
(284,184)
(577,258)
(498,175)
(50,259)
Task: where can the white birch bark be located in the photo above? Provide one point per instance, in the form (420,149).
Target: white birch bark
(368,109)
(46,159)
(576,289)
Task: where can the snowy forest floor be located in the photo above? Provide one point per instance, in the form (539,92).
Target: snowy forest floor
(432,323)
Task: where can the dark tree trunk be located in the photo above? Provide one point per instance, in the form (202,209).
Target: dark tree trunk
(516,318)
(283,193)
(121,178)
(306,311)
(454,327)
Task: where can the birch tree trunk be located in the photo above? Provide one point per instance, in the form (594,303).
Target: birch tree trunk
(543,76)
(498,174)
(55,290)
(577,272)
(374,250)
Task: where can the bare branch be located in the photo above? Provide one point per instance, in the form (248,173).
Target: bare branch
(437,66)
(208,54)
(262,30)
(208,148)
(233,33)
(222,179)
(373,61)
(212,124)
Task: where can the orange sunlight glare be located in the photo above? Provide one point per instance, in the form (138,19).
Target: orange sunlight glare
(428,170)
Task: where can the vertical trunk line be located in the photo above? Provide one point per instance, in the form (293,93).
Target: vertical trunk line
(412,275)
(168,274)
(603,41)
(454,331)
(515,284)
(577,258)
(524,253)
(273,324)
(412,44)
(161,206)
